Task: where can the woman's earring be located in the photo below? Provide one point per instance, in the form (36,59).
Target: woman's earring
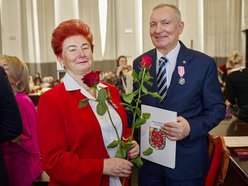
(62,65)
(17,83)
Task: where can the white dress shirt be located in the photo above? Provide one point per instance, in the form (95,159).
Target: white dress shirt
(171,64)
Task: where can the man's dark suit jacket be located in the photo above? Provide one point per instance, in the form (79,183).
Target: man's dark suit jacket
(199,101)
(10,119)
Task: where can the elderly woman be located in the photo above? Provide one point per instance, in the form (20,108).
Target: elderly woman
(74,140)
(10,127)
(236,90)
(22,155)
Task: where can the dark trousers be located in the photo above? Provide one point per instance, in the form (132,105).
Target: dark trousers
(152,174)
(3,172)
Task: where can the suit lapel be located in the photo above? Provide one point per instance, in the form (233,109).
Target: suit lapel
(182,60)
(153,71)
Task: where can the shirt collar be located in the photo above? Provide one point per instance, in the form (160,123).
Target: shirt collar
(237,68)
(71,85)
(171,56)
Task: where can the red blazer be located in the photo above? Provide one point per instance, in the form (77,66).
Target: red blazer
(71,141)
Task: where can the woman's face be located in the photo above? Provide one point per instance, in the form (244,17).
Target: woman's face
(10,75)
(123,61)
(77,56)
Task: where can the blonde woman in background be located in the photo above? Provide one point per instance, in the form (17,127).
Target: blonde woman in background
(22,155)
(236,90)
(235,62)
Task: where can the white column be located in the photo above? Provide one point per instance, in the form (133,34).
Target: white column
(192,15)
(11,28)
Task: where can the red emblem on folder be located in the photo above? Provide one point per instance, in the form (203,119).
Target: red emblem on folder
(156,138)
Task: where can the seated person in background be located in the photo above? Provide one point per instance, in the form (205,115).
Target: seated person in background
(31,84)
(10,120)
(109,77)
(236,90)
(37,79)
(127,81)
(124,78)
(22,155)
(47,82)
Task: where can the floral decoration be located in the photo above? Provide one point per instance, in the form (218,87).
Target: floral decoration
(131,103)
(132,100)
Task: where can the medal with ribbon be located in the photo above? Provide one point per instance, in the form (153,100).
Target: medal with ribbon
(181,73)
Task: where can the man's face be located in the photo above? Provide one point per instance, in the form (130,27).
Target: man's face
(165,28)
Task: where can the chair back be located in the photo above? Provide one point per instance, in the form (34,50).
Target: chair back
(219,158)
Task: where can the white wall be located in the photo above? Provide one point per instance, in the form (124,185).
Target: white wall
(192,35)
(64,10)
(11,28)
(126,32)
(128,16)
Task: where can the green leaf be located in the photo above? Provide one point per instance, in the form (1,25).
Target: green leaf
(125,104)
(129,108)
(137,161)
(149,83)
(146,115)
(83,103)
(148,151)
(144,89)
(101,108)
(113,144)
(130,138)
(102,95)
(140,74)
(136,92)
(155,95)
(134,76)
(121,153)
(126,145)
(139,121)
(138,111)
(147,77)
(128,97)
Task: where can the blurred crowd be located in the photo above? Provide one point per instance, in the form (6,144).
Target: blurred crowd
(38,85)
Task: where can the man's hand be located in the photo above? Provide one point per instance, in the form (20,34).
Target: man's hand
(176,130)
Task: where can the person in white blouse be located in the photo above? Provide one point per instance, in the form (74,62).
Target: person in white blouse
(74,140)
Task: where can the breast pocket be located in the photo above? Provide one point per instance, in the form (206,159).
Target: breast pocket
(186,96)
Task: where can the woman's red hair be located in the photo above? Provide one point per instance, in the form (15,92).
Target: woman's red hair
(69,28)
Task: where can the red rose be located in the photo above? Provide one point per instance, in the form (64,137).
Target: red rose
(146,62)
(92,78)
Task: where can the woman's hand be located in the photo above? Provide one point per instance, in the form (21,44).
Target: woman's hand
(134,151)
(16,140)
(117,167)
